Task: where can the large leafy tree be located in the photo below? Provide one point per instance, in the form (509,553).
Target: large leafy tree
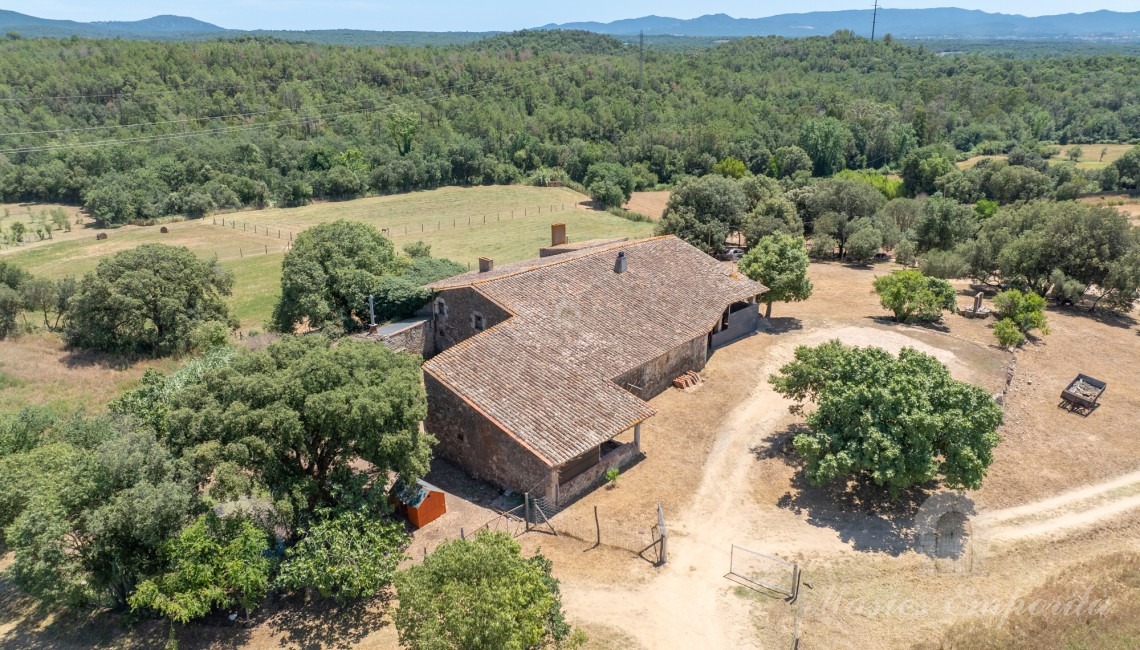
(147,299)
(779,262)
(90,530)
(212,563)
(912,295)
(327,275)
(347,556)
(296,416)
(479,593)
(897,421)
(827,141)
(705,211)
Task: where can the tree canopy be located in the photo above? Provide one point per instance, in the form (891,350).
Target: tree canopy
(147,299)
(328,273)
(911,295)
(779,262)
(479,593)
(896,421)
(292,418)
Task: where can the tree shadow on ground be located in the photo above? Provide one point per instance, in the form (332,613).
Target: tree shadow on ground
(861,513)
(781,325)
(79,358)
(933,326)
(327,624)
(32,626)
(1101,315)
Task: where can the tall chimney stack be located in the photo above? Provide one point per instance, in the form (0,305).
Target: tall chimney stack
(622,263)
(486,264)
(557,234)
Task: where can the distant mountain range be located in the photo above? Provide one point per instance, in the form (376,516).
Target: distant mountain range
(157,27)
(901,23)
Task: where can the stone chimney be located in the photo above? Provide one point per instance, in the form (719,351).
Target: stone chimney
(486,264)
(622,263)
(558,234)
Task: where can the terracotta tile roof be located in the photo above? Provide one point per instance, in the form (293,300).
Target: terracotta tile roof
(547,373)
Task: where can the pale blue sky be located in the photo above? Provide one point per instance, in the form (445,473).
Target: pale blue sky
(476,15)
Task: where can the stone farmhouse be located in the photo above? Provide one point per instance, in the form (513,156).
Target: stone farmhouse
(534,368)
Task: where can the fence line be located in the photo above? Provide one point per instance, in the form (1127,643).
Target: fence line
(409,229)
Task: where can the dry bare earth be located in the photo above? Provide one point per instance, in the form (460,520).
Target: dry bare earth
(750,492)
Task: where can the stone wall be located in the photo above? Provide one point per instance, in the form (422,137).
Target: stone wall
(741,323)
(416,338)
(453,316)
(585,481)
(470,440)
(654,377)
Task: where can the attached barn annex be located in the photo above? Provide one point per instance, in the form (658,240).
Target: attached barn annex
(539,365)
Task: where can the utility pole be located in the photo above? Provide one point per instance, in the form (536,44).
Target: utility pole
(874,20)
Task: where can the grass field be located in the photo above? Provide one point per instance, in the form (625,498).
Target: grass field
(504,223)
(1090,156)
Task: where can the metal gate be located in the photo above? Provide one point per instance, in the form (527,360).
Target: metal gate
(765,571)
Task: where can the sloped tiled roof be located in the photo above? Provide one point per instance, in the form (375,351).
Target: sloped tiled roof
(546,374)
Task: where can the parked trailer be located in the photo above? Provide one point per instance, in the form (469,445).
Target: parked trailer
(1082,393)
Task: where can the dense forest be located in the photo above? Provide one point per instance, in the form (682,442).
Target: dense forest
(135,130)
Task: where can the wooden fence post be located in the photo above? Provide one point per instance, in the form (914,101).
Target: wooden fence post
(597,527)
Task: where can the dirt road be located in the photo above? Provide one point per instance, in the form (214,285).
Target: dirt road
(1070,510)
(690,603)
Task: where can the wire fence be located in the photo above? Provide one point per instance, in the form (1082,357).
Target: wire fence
(412,228)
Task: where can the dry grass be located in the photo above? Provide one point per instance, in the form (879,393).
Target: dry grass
(37,369)
(1095,604)
(651,204)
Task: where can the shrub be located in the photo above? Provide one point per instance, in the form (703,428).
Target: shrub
(912,295)
(346,557)
(417,249)
(823,247)
(863,245)
(607,193)
(1025,310)
(904,252)
(944,265)
(1007,334)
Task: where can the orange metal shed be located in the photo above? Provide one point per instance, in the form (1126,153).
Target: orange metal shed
(421,503)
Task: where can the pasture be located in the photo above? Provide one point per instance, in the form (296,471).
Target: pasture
(506,223)
(1091,156)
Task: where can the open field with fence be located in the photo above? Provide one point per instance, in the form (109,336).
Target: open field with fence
(507,223)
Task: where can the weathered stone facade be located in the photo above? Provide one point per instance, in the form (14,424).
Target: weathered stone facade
(651,379)
(472,441)
(415,338)
(455,313)
(584,482)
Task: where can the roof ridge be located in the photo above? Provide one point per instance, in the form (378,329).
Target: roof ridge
(566,258)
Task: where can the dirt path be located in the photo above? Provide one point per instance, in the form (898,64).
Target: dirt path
(1077,508)
(690,603)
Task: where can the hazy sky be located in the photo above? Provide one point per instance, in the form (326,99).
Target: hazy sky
(476,15)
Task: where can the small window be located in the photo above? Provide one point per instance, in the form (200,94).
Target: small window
(462,438)
(477,322)
(440,307)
